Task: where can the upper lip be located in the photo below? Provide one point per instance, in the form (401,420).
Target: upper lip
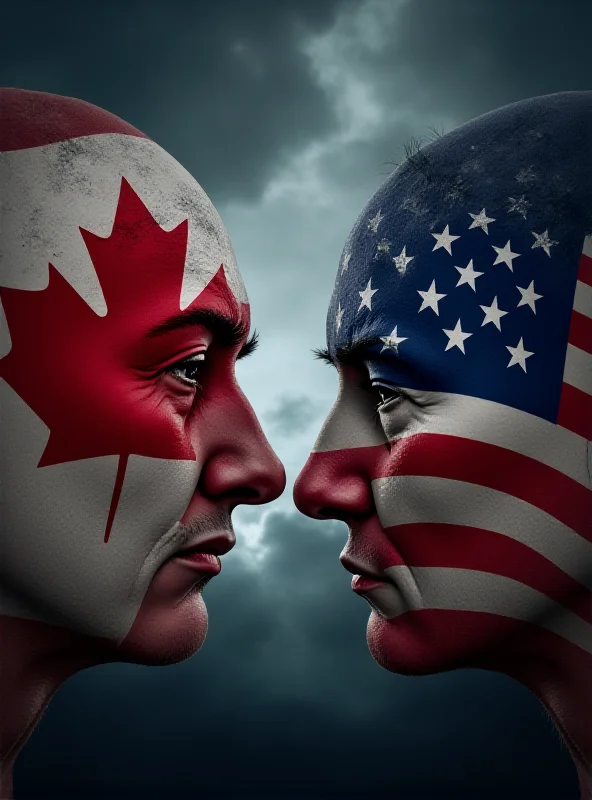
(218,544)
(363,569)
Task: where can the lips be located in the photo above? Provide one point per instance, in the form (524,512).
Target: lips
(204,562)
(204,553)
(362,583)
(363,572)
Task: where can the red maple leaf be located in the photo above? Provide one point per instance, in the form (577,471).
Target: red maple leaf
(66,362)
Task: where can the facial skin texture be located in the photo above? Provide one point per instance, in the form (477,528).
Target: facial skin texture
(126,437)
(461,463)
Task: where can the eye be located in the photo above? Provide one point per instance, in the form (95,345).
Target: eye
(188,369)
(385,394)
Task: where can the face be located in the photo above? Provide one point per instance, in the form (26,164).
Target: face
(457,450)
(128,442)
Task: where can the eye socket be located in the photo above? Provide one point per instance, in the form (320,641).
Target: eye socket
(190,365)
(386,394)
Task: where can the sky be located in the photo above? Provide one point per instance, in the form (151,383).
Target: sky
(290,114)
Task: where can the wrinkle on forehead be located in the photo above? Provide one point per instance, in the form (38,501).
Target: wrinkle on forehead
(50,192)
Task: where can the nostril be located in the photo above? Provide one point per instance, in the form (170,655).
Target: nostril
(330,512)
(244,493)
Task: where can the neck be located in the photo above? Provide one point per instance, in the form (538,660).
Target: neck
(560,675)
(35,659)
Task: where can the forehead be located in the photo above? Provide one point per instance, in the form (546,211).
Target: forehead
(412,260)
(50,192)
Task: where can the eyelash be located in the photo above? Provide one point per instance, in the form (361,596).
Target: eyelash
(192,361)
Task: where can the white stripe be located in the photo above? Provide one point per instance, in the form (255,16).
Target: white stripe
(587,248)
(405,499)
(349,425)
(470,590)
(583,299)
(578,369)
(82,189)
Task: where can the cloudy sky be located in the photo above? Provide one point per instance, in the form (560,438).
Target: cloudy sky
(290,113)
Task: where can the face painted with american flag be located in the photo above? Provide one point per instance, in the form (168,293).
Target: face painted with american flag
(458,450)
(126,439)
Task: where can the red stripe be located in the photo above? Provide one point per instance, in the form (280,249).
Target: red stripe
(341,477)
(431,640)
(585,271)
(580,331)
(433,544)
(444,456)
(32,119)
(575,411)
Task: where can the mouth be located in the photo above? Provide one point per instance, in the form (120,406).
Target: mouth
(374,586)
(365,577)
(203,555)
(202,562)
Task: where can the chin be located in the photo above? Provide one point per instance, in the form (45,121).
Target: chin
(166,633)
(429,641)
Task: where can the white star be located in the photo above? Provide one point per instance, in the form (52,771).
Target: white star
(345,264)
(430,298)
(493,314)
(383,247)
(456,191)
(480,220)
(402,260)
(519,205)
(339,316)
(456,337)
(374,222)
(519,355)
(366,296)
(468,275)
(542,240)
(411,204)
(505,255)
(444,239)
(526,175)
(393,341)
(529,296)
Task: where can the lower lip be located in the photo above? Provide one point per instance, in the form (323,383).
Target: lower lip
(201,562)
(360,584)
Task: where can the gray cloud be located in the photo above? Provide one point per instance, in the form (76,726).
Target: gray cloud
(292,415)
(288,114)
(224,86)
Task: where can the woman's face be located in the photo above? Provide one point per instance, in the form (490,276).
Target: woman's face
(126,437)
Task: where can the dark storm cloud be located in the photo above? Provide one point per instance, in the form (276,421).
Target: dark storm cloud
(292,415)
(284,701)
(226,88)
(222,85)
(470,57)
(441,64)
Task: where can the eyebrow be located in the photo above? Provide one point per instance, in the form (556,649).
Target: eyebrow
(226,330)
(351,354)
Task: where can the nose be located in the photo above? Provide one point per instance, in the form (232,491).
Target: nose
(334,485)
(241,465)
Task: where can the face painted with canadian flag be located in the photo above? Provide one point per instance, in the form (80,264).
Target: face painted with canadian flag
(458,449)
(126,438)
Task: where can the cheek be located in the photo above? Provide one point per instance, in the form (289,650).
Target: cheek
(166,631)
(474,548)
(431,641)
(55,563)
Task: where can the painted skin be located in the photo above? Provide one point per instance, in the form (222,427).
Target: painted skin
(126,438)
(462,465)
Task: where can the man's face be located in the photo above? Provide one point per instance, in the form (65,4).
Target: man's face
(127,439)
(456,451)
